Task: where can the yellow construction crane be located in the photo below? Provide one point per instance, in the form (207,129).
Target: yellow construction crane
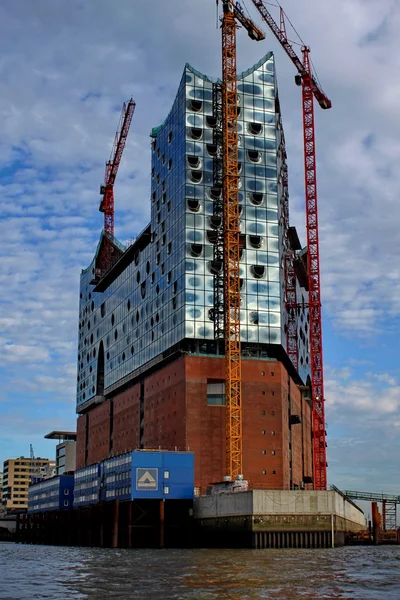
(232,16)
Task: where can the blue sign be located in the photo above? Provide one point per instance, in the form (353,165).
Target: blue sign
(146,479)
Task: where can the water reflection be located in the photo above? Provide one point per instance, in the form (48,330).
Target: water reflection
(38,572)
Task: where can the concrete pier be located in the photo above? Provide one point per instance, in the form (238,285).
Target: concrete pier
(276,519)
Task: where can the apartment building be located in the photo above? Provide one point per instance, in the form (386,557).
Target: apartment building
(17,475)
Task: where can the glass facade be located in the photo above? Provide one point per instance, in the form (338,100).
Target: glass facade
(166,292)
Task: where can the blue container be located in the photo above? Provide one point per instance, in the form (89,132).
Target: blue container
(56,493)
(87,485)
(138,474)
(162,475)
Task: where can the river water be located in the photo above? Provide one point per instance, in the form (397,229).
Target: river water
(60,573)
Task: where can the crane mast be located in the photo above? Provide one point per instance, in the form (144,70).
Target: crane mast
(232,12)
(310,89)
(112,166)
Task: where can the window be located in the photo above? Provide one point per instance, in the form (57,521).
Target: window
(264,472)
(273,472)
(66,502)
(273,452)
(166,474)
(216,393)
(66,492)
(263,412)
(272,432)
(264,452)
(263,432)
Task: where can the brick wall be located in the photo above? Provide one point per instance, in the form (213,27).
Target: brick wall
(126,420)
(80,441)
(177,416)
(98,444)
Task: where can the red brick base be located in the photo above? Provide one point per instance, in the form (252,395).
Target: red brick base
(276,455)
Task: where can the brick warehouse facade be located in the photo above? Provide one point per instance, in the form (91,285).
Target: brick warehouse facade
(150,366)
(277,450)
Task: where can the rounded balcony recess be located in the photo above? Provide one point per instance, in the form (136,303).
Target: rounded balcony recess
(193,205)
(195,105)
(215,193)
(196,250)
(255,128)
(254,156)
(212,236)
(196,133)
(256,198)
(216,267)
(255,241)
(196,176)
(193,162)
(215,221)
(258,271)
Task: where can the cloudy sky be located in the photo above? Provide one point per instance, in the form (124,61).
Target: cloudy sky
(66,68)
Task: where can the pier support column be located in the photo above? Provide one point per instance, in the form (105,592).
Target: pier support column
(114,538)
(101,523)
(129,524)
(162,523)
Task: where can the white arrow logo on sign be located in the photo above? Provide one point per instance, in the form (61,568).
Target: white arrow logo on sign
(146,479)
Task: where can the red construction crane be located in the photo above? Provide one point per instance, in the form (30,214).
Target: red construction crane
(112,165)
(232,13)
(311,89)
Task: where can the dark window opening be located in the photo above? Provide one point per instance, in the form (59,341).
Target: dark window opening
(215,393)
(100,370)
(215,192)
(215,221)
(211,121)
(254,156)
(216,267)
(195,105)
(196,176)
(258,271)
(193,205)
(255,241)
(212,236)
(196,249)
(212,149)
(255,128)
(170,137)
(193,161)
(256,198)
(196,133)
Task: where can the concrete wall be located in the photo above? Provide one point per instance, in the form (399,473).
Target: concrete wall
(263,502)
